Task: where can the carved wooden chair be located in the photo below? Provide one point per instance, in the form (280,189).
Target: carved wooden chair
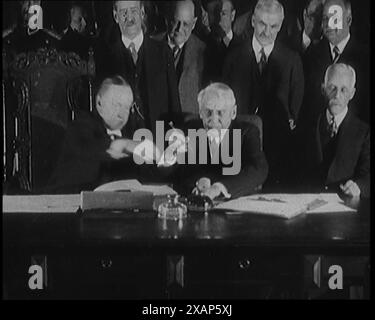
(47,84)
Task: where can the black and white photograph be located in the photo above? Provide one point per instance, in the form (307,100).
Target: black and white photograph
(185,155)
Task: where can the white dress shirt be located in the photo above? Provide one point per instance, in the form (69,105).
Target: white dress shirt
(306,41)
(257,47)
(341,46)
(228,38)
(114,133)
(172,44)
(138,41)
(339,118)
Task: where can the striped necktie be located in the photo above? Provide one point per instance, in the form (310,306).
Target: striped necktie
(263,61)
(133,52)
(336,52)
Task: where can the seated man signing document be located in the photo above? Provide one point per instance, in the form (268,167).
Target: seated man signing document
(229,161)
(96,148)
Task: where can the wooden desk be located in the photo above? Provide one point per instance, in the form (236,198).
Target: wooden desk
(136,255)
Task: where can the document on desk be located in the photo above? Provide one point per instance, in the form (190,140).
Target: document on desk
(42,204)
(135,185)
(285,205)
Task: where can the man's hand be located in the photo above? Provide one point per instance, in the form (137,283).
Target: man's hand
(216,190)
(119,149)
(350,189)
(123,148)
(179,144)
(202,185)
(147,151)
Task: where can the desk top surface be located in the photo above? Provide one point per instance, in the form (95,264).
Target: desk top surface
(144,229)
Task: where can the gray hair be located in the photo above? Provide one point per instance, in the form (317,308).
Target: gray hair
(219,92)
(341,67)
(270,6)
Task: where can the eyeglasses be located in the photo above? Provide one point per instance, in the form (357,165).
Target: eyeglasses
(124,13)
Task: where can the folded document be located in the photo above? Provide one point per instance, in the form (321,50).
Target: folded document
(135,185)
(286,205)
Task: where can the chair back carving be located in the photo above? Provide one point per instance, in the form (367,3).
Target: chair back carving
(47,84)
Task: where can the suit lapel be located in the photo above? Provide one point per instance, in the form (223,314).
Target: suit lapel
(346,134)
(319,150)
(150,58)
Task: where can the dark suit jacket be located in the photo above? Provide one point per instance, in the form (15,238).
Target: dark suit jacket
(72,41)
(278,93)
(84,164)
(192,64)
(352,157)
(317,59)
(216,55)
(159,84)
(254,167)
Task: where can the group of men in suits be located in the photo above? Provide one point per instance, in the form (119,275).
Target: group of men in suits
(167,75)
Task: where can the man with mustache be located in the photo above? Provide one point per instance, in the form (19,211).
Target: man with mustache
(145,63)
(218,118)
(338,151)
(338,45)
(267,79)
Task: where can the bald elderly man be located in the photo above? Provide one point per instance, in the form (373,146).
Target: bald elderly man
(98,146)
(339,148)
(218,113)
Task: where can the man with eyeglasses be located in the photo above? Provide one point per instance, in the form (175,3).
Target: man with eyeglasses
(188,52)
(145,63)
(308,29)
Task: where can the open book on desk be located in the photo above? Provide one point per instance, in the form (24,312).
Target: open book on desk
(286,205)
(135,185)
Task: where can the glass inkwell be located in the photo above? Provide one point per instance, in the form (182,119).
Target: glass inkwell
(172,209)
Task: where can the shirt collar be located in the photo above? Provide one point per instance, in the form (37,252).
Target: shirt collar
(341,46)
(138,41)
(213,135)
(338,118)
(229,35)
(116,133)
(257,47)
(172,45)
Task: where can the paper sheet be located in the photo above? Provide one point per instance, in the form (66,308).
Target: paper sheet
(286,205)
(135,185)
(42,204)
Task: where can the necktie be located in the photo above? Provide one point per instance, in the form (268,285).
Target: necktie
(336,52)
(133,52)
(263,60)
(176,54)
(332,127)
(226,41)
